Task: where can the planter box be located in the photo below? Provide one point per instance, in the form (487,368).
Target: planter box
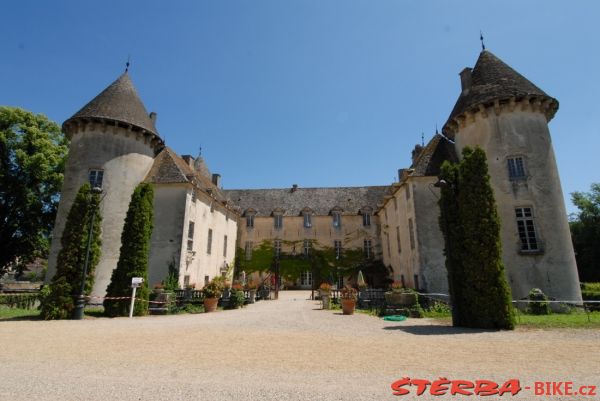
(400,299)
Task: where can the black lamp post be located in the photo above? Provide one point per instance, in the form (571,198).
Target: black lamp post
(277,275)
(80,301)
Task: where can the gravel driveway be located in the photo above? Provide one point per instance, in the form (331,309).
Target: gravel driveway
(276,350)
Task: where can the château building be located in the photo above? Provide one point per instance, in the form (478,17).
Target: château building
(201,229)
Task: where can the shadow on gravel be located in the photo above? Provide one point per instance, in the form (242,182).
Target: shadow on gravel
(428,330)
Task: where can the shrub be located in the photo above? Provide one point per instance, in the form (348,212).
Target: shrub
(214,289)
(591,292)
(348,293)
(58,301)
(236,300)
(133,258)
(541,305)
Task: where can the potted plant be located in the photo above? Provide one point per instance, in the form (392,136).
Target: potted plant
(325,292)
(348,299)
(159,288)
(211,293)
(237,297)
(251,288)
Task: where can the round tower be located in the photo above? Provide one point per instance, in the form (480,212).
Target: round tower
(506,115)
(113,144)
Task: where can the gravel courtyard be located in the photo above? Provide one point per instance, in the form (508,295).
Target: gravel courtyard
(276,350)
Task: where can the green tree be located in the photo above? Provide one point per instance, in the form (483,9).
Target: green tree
(133,258)
(58,300)
(585,232)
(32,158)
(476,272)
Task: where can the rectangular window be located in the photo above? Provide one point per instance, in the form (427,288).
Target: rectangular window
(395,204)
(95,178)
(278,221)
(306,278)
(402,280)
(186,281)
(416,278)
(387,240)
(516,168)
(526,228)
(398,239)
(248,250)
(337,220)
(225,246)
(411,234)
(407,192)
(337,245)
(250,221)
(206,280)
(366,219)
(340,281)
(190,240)
(277,247)
(307,220)
(368,249)
(209,243)
(306,248)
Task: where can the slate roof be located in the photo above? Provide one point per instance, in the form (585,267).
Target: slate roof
(119,102)
(492,79)
(430,159)
(169,168)
(320,200)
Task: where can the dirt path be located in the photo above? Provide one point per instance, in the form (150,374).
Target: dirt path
(275,350)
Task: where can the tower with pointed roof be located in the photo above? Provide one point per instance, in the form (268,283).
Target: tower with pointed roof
(113,144)
(506,115)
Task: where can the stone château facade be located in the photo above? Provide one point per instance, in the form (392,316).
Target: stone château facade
(199,227)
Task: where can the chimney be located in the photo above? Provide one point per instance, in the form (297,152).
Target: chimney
(465,79)
(153,117)
(216,179)
(400,172)
(189,160)
(416,153)
(294,187)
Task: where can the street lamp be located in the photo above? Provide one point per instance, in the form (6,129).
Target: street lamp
(80,300)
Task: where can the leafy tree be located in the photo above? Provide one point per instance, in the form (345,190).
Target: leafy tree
(32,158)
(58,300)
(477,279)
(585,232)
(133,259)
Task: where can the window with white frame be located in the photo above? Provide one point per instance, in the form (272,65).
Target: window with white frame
(306,278)
(526,228)
(277,247)
(250,220)
(190,238)
(368,249)
(95,178)
(337,219)
(306,247)
(337,246)
(307,215)
(209,242)
(278,221)
(516,168)
(366,216)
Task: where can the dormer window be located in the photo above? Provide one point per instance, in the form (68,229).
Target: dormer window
(366,215)
(336,214)
(307,217)
(278,219)
(250,213)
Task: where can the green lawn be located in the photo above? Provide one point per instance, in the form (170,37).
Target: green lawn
(16,313)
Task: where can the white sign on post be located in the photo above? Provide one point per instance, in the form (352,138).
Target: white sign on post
(135,283)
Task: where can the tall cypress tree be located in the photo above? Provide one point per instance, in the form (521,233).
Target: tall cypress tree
(471,227)
(133,258)
(58,301)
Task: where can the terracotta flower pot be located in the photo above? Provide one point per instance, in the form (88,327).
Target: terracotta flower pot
(210,304)
(348,306)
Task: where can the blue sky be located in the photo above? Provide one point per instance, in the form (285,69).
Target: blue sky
(312,92)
